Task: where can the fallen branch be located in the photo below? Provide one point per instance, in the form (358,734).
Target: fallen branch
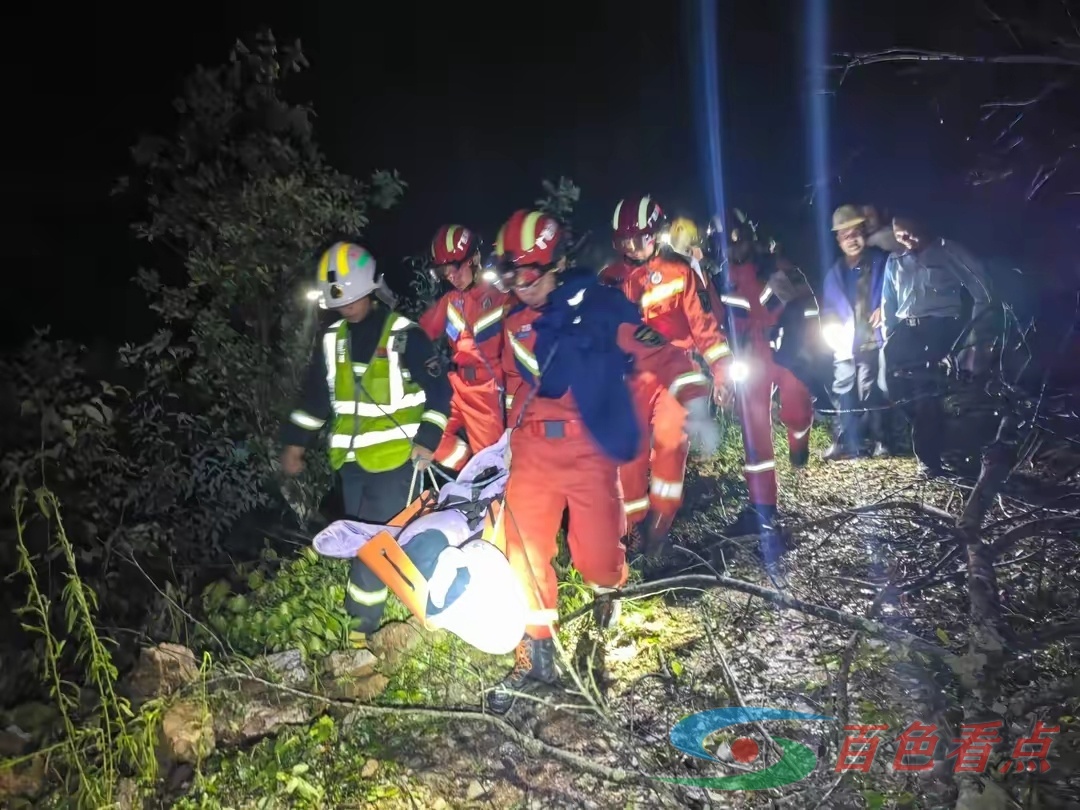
(849,620)
(1040,638)
(925,510)
(528,742)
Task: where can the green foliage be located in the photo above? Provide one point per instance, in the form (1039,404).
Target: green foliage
(301,607)
(424,288)
(101,741)
(559,198)
(244,196)
(316,767)
(158,474)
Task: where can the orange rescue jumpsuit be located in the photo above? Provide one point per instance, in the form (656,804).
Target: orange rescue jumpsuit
(472,321)
(672,301)
(755,312)
(556,465)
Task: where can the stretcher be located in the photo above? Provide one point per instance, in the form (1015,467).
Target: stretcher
(444,556)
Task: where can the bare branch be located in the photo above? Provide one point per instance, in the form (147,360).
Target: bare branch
(849,620)
(1050,88)
(530,743)
(917,55)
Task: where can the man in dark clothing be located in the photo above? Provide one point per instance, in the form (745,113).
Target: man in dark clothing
(380,383)
(851,324)
(923,310)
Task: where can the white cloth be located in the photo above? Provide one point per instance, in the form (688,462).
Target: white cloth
(702,429)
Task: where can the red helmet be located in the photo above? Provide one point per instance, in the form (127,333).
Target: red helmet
(636,222)
(530,241)
(453,244)
(530,238)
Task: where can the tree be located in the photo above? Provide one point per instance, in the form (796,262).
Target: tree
(157,474)
(559,198)
(424,288)
(246,199)
(1020,129)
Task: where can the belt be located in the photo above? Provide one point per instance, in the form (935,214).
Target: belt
(554,428)
(927,319)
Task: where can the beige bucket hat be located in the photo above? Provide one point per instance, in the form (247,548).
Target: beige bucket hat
(847,216)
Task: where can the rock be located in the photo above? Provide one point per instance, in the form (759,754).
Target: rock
(36,720)
(369,769)
(187,732)
(392,643)
(14,742)
(561,729)
(352,676)
(248,720)
(289,667)
(475,791)
(439,804)
(128,796)
(349,664)
(25,779)
(361,689)
(162,670)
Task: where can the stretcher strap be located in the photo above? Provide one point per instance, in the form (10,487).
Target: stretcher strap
(389,562)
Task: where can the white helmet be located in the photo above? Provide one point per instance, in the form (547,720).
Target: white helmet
(347,274)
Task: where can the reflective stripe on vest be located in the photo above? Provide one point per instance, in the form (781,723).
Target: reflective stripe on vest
(377,406)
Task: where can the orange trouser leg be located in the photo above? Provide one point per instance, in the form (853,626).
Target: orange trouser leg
(482,413)
(634,475)
(670,446)
(597,521)
(796,408)
(453,451)
(534,504)
(755,407)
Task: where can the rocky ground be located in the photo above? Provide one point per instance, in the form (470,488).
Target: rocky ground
(401,729)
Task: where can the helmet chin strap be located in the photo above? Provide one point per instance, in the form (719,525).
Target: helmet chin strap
(647,259)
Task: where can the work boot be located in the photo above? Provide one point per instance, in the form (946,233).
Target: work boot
(654,533)
(838,451)
(935,469)
(606,613)
(771,545)
(534,662)
(358,638)
(800,456)
(751,520)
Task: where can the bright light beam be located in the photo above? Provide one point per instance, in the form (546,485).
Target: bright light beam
(708,108)
(817,100)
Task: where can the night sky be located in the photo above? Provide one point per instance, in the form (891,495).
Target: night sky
(474,107)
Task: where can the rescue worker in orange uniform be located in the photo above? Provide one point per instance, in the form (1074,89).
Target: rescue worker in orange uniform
(757,298)
(674,302)
(470,317)
(570,345)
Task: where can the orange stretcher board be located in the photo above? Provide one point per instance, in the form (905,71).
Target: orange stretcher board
(389,562)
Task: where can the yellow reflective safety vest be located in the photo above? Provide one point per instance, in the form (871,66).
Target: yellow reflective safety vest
(377,405)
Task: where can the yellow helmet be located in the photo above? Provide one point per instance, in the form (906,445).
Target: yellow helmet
(684,235)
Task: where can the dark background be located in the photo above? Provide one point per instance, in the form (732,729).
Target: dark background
(474,106)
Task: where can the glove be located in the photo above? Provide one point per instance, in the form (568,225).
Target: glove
(702,429)
(421,457)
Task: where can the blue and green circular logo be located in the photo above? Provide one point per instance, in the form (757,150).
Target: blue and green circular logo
(690,733)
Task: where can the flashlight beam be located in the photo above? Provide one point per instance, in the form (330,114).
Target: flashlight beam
(816,48)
